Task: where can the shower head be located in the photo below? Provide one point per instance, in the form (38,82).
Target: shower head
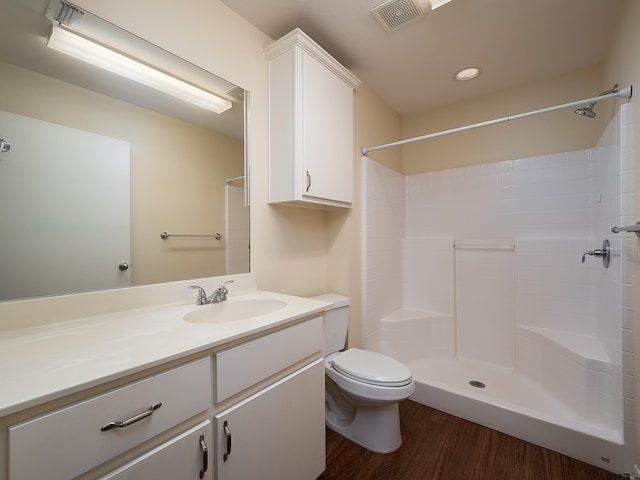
(588,110)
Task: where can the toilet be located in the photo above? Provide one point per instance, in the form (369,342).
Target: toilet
(363,388)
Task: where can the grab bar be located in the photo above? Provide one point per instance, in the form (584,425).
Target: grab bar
(481,246)
(632,229)
(165,235)
(233,179)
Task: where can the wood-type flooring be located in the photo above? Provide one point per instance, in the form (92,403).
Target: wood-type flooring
(438,446)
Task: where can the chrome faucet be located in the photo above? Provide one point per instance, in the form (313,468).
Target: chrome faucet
(220,295)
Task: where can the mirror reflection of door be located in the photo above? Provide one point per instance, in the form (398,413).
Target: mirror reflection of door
(63,190)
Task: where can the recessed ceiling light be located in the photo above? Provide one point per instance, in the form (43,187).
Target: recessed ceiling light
(467,74)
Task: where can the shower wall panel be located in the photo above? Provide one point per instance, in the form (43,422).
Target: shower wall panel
(539,197)
(383,197)
(433,292)
(553,208)
(612,204)
(540,204)
(554,289)
(485,309)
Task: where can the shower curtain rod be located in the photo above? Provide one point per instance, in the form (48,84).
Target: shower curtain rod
(622,93)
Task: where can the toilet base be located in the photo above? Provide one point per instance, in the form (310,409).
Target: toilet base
(374,427)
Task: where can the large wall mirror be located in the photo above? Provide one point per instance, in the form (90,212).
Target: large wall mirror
(106,182)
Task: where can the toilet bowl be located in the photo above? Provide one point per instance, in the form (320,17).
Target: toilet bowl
(363,387)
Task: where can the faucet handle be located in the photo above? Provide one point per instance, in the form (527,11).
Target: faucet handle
(222,291)
(604,253)
(584,255)
(202,295)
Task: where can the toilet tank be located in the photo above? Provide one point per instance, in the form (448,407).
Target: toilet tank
(336,321)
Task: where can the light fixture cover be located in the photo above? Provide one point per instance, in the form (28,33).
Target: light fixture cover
(69,43)
(467,74)
(438,3)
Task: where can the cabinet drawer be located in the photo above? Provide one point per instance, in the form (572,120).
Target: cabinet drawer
(245,365)
(69,441)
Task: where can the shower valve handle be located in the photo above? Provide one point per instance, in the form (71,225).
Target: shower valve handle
(594,253)
(604,253)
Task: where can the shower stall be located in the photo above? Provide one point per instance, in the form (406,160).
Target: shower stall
(473,277)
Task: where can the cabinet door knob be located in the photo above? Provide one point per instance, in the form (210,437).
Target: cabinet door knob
(227,434)
(205,457)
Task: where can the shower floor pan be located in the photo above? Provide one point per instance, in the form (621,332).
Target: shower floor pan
(516,405)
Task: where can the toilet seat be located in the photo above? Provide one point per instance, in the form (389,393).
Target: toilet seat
(372,368)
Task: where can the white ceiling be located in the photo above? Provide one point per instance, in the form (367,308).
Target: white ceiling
(411,69)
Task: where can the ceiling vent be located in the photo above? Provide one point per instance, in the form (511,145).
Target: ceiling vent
(394,14)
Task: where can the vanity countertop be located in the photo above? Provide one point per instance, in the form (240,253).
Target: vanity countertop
(43,363)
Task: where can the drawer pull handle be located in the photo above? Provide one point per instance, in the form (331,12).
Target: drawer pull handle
(134,419)
(227,434)
(205,458)
(308,180)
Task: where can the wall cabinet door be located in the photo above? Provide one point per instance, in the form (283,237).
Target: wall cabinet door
(278,433)
(186,457)
(326,114)
(310,125)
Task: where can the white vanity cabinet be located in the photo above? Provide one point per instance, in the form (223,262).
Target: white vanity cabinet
(310,125)
(277,432)
(248,405)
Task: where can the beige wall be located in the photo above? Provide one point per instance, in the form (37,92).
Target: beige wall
(558,131)
(623,66)
(178,172)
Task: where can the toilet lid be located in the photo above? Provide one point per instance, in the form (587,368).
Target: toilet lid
(372,367)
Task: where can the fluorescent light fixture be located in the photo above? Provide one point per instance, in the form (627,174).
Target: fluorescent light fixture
(69,43)
(438,3)
(467,74)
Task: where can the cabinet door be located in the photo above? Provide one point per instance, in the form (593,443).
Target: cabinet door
(327,133)
(186,457)
(278,433)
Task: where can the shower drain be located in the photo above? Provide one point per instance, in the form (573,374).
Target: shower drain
(477,384)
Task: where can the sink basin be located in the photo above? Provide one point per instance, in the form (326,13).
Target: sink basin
(231,311)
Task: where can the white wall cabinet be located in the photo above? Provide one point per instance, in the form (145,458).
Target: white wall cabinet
(310,125)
